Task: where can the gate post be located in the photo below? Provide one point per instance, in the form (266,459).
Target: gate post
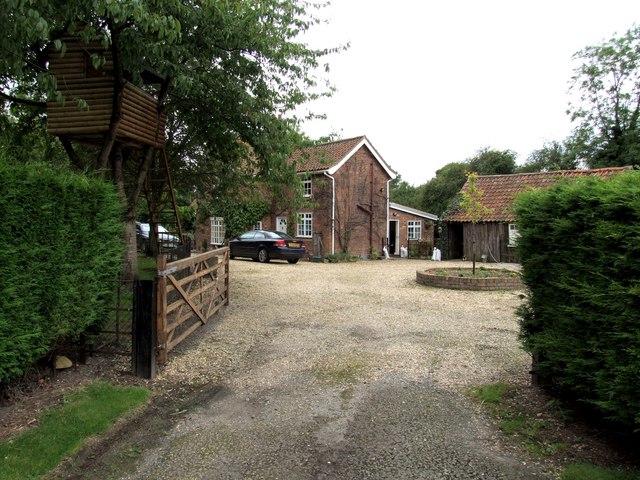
(144,329)
(161,309)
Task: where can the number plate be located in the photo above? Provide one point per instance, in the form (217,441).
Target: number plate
(294,245)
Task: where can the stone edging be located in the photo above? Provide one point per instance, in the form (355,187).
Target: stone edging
(431,279)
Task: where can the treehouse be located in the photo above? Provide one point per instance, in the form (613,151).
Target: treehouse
(140,123)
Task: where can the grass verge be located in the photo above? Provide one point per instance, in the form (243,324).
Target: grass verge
(533,431)
(63,430)
(583,471)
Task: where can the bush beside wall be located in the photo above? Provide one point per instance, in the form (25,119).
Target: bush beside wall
(580,252)
(61,252)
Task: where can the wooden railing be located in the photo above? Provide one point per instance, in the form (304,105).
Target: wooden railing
(189,292)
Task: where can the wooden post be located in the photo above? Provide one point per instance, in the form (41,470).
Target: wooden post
(161,310)
(144,329)
(227,276)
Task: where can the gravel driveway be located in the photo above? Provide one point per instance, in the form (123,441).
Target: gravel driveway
(339,371)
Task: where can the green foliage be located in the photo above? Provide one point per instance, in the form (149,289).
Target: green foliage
(238,73)
(61,253)
(583,471)
(492,393)
(238,216)
(63,430)
(552,156)
(579,246)
(341,257)
(404,194)
(471,201)
(606,88)
(526,427)
(492,162)
(439,192)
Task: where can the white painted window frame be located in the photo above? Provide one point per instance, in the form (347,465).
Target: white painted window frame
(217,230)
(304,228)
(413,227)
(307,187)
(513,234)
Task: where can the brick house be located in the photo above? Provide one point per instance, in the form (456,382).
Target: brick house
(347,184)
(408,226)
(496,232)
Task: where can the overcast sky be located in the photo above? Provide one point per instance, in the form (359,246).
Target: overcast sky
(431,83)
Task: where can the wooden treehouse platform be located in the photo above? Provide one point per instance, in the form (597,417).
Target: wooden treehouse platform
(141,122)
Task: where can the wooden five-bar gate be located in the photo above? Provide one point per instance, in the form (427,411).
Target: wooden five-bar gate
(185,296)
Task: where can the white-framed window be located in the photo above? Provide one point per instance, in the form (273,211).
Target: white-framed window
(414,229)
(305,225)
(513,234)
(306,187)
(217,230)
(258,225)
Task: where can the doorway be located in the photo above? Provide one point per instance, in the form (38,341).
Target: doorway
(394,237)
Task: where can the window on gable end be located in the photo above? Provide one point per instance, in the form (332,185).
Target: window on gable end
(306,187)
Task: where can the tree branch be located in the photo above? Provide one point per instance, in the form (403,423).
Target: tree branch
(73,156)
(23,101)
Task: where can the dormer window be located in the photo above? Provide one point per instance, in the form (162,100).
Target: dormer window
(306,188)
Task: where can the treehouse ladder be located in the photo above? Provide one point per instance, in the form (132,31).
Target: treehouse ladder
(161,199)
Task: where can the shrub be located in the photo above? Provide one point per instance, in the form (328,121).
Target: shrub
(580,248)
(341,257)
(62,250)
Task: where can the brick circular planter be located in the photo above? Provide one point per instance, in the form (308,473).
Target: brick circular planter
(433,277)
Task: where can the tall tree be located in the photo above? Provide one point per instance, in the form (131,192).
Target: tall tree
(606,87)
(488,161)
(405,194)
(236,68)
(440,191)
(552,156)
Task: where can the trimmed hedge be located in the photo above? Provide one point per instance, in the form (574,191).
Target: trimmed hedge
(61,252)
(579,247)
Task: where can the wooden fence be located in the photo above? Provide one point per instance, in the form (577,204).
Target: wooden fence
(188,293)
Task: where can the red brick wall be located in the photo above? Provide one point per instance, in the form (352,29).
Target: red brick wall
(202,235)
(361,185)
(404,217)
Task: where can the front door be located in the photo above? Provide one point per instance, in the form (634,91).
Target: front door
(394,237)
(281,224)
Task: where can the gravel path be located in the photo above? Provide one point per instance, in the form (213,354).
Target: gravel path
(341,371)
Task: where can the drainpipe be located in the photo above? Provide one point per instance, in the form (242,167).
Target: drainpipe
(388,206)
(333,212)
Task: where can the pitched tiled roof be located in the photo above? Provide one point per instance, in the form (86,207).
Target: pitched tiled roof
(500,191)
(323,157)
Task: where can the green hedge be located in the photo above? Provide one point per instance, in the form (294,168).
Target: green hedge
(579,247)
(61,252)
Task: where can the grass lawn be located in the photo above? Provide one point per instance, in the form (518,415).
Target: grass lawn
(63,430)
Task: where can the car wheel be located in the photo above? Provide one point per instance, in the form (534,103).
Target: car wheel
(293,260)
(263,256)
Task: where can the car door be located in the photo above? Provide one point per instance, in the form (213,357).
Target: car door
(256,242)
(242,246)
